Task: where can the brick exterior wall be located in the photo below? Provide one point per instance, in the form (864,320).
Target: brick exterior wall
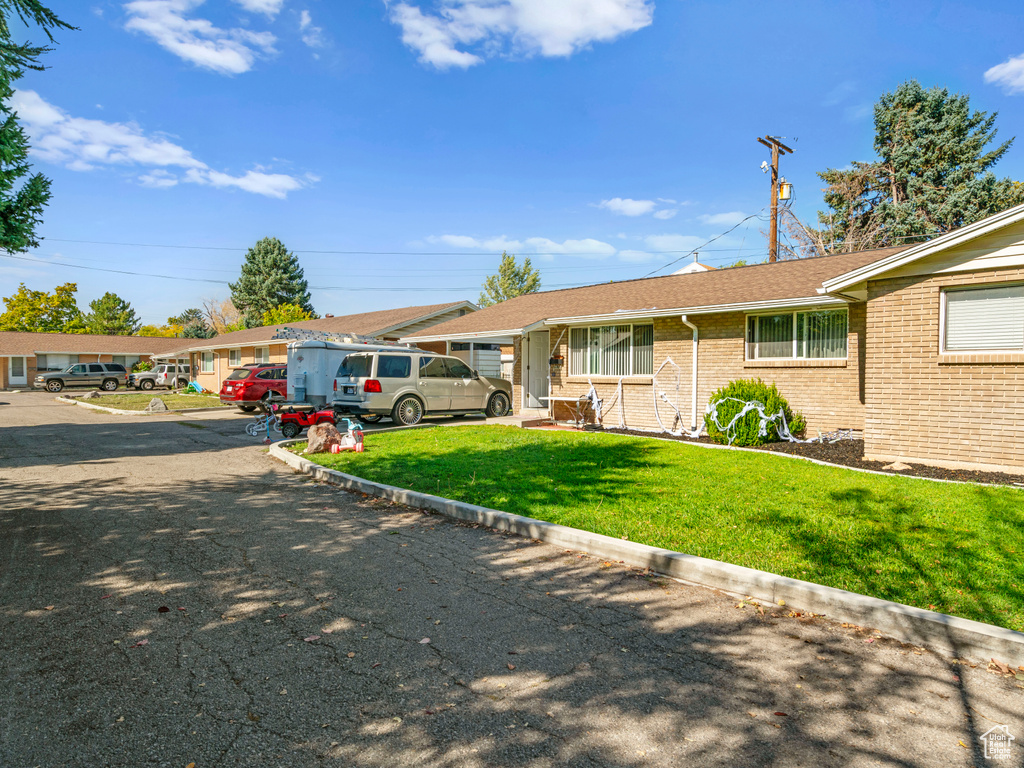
(440,347)
(957,409)
(830,393)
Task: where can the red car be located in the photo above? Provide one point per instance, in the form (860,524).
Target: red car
(255,382)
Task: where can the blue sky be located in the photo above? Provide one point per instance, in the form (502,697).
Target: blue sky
(399,147)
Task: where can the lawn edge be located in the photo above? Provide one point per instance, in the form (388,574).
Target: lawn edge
(958,637)
(122,411)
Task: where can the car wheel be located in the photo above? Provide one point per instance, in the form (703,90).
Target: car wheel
(182,383)
(54,385)
(290,430)
(407,411)
(498,405)
(247,408)
(109,385)
(146,384)
(370,418)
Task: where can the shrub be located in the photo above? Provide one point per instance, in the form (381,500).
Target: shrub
(142,365)
(746,431)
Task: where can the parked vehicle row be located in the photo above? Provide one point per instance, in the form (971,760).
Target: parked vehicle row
(164,375)
(105,376)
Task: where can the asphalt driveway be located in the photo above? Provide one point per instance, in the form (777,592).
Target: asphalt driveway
(169,594)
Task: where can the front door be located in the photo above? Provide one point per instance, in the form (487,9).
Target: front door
(538,350)
(17,375)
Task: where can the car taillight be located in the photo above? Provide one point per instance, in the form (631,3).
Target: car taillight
(372,385)
(335,385)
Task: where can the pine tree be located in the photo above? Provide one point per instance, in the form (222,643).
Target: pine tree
(511,281)
(111,315)
(271,276)
(932,175)
(21,207)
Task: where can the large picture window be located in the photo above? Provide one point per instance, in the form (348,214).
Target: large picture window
(611,350)
(985,319)
(812,335)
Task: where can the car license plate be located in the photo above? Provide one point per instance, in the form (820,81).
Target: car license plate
(350,390)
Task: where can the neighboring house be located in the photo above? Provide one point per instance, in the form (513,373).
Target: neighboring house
(213,359)
(23,354)
(921,348)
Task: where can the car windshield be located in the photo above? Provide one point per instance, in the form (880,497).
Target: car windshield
(240,373)
(356,366)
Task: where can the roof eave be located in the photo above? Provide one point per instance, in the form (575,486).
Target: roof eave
(920,251)
(450,308)
(467,335)
(802,301)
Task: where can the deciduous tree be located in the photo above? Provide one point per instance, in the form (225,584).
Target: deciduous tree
(271,276)
(286,313)
(42,312)
(511,281)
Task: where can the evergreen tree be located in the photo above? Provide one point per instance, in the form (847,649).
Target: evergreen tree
(21,207)
(932,175)
(511,281)
(271,276)
(111,315)
(42,312)
(198,330)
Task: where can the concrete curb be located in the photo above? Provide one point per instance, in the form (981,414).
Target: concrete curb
(123,412)
(961,638)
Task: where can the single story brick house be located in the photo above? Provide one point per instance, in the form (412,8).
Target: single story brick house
(920,349)
(212,360)
(23,354)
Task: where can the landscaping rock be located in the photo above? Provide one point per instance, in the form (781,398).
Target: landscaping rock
(322,437)
(897,466)
(156,405)
(91,395)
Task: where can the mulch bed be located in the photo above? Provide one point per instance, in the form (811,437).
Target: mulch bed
(850,453)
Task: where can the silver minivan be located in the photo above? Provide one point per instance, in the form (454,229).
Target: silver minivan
(409,385)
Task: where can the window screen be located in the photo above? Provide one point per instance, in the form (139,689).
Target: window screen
(985,318)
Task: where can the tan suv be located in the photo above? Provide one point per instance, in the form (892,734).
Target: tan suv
(409,385)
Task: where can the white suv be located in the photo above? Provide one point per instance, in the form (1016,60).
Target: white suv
(408,385)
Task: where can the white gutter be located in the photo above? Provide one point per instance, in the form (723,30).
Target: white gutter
(469,336)
(693,376)
(805,301)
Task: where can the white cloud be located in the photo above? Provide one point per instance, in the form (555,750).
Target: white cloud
(1009,74)
(82,144)
(724,219)
(627,207)
(269,7)
(311,35)
(227,51)
(518,27)
(665,214)
(586,247)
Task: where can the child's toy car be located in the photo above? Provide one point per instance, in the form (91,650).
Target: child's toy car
(294,419)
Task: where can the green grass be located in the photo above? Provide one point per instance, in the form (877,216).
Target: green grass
(948,547)
(174,402)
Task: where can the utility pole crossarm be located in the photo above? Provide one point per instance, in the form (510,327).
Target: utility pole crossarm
(777,148)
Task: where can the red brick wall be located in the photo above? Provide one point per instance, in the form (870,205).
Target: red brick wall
(963,409)
(440,347)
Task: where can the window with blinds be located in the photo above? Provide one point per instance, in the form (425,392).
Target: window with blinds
(611,350)
(798,335)
(984,319)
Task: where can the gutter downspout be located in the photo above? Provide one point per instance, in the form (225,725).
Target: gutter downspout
(693,376)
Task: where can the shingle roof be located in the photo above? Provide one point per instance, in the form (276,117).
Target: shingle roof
(24,343)
(363,324)
(779,281)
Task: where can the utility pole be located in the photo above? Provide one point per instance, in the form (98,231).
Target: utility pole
(777,148)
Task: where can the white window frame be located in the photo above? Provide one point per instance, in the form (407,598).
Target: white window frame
(749,344)
(943,316)
(261,355)
(632,349)
(235,358)
(206,362)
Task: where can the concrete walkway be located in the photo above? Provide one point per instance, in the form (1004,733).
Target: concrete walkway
(306,626)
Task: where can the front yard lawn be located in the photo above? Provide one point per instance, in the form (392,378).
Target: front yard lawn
(951,548)
(174,402)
